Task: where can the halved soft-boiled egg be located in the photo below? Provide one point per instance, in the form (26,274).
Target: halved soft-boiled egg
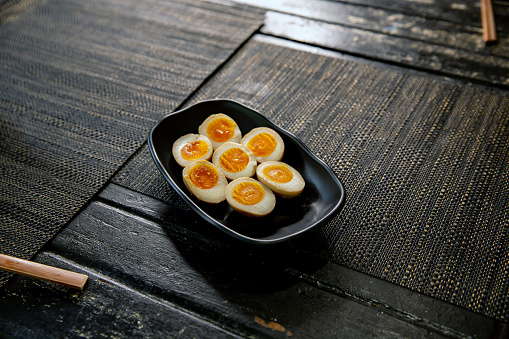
(265,143)
(220,128)
(191,147)
(281,178)
(205,181)
(235,160)
(250,197)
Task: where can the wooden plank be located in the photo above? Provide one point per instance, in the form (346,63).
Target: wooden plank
(408,305)
(238,288)
(34,309)
(390,49)
(390,22)
(460,12)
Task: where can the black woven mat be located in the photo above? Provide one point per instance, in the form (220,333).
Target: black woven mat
(81,83)
(424,163)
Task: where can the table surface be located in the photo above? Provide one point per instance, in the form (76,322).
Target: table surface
(215,286)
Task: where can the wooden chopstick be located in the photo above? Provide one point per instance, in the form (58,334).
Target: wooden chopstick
(488,21)
(43,272)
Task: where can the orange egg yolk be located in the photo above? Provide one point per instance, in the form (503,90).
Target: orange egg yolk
(262,144)
(248,193)
(194,150)
(221,129)
(234,160)
(203,176)
(278,173)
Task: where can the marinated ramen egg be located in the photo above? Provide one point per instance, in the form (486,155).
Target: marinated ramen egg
(281,178)
(205,181)
(191,147)
(265,143)
(234,160)
(220,128)
(250,197)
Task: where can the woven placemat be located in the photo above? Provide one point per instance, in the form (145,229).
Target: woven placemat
(81,83)
(424,163)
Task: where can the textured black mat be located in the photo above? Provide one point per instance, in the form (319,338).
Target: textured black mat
(81,83)
(424,163)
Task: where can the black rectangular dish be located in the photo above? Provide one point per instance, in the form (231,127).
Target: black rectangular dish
(321,199)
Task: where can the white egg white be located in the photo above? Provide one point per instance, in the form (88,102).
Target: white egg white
(212,195)
(260,209)
(183,141)
(278,152)
(248,171)
(285,190)
(202,129)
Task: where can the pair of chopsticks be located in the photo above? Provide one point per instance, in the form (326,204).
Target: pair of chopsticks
(489,33)
(43,272)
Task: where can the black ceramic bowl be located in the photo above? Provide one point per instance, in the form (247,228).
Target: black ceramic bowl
(322,197)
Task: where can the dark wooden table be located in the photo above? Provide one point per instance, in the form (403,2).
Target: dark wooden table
(214,286)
